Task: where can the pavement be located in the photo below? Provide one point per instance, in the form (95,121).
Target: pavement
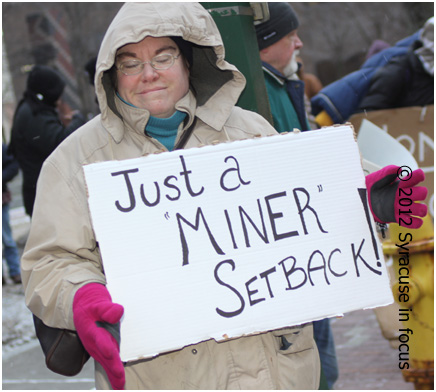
(367,361)
(25,370)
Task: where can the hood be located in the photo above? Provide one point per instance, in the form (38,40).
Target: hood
(215,83)
(425,52)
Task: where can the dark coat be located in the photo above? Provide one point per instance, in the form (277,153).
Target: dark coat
(403,82)
(10,169)
(342,98)
(36,132)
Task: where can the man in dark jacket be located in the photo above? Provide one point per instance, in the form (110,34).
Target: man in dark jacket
(279,47)
(37,128)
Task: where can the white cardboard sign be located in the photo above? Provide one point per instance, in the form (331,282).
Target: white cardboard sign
(235,239)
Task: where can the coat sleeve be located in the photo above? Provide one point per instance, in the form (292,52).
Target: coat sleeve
(61,254)
(48,132)
(77,121)
(386,86)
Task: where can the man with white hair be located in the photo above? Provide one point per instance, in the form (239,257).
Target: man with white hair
(279,46)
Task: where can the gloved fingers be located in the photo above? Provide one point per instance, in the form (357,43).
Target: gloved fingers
(387,170)
(115,371)
(102,346)
(411,222)
(106,344)
(380,179)
(106,311)
(418,209)
(418,193)
(117,382)
(415,194)
(416,177)
(113,314)
(116,375)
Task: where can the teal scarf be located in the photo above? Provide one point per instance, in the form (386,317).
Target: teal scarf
(162,129)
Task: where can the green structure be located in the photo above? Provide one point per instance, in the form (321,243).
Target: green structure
(235,22)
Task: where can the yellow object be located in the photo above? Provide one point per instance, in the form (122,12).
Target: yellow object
(412,251)
(323,119)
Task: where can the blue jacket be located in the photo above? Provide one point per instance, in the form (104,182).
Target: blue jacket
(341,98)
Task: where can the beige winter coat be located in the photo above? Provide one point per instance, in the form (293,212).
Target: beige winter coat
(62,255)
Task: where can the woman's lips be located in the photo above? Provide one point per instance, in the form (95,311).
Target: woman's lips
(152,90)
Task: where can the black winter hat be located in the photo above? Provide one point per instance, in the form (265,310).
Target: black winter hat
(282,21)
(45,84)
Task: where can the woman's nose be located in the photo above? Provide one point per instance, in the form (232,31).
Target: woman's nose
(149,73)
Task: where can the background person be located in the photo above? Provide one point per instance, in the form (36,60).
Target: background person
(406,80)
(10,170)
(337,101)
(279,46)
(41,122)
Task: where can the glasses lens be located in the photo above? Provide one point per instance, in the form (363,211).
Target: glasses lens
(131,67)
(162,61)
(134,67)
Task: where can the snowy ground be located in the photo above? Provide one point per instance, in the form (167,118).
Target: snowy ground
(17,322)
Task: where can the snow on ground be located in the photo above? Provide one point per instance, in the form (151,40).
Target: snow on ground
(17,322)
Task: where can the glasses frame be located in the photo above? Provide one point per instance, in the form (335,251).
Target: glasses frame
(151,62)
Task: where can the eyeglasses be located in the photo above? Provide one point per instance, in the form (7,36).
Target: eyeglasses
(159,62)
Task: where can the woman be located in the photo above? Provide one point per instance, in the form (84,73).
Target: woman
(162,83)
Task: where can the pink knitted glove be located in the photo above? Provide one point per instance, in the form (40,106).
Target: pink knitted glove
(393,200)
(92,309)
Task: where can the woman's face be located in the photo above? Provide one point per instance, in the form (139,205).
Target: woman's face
(151,89)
